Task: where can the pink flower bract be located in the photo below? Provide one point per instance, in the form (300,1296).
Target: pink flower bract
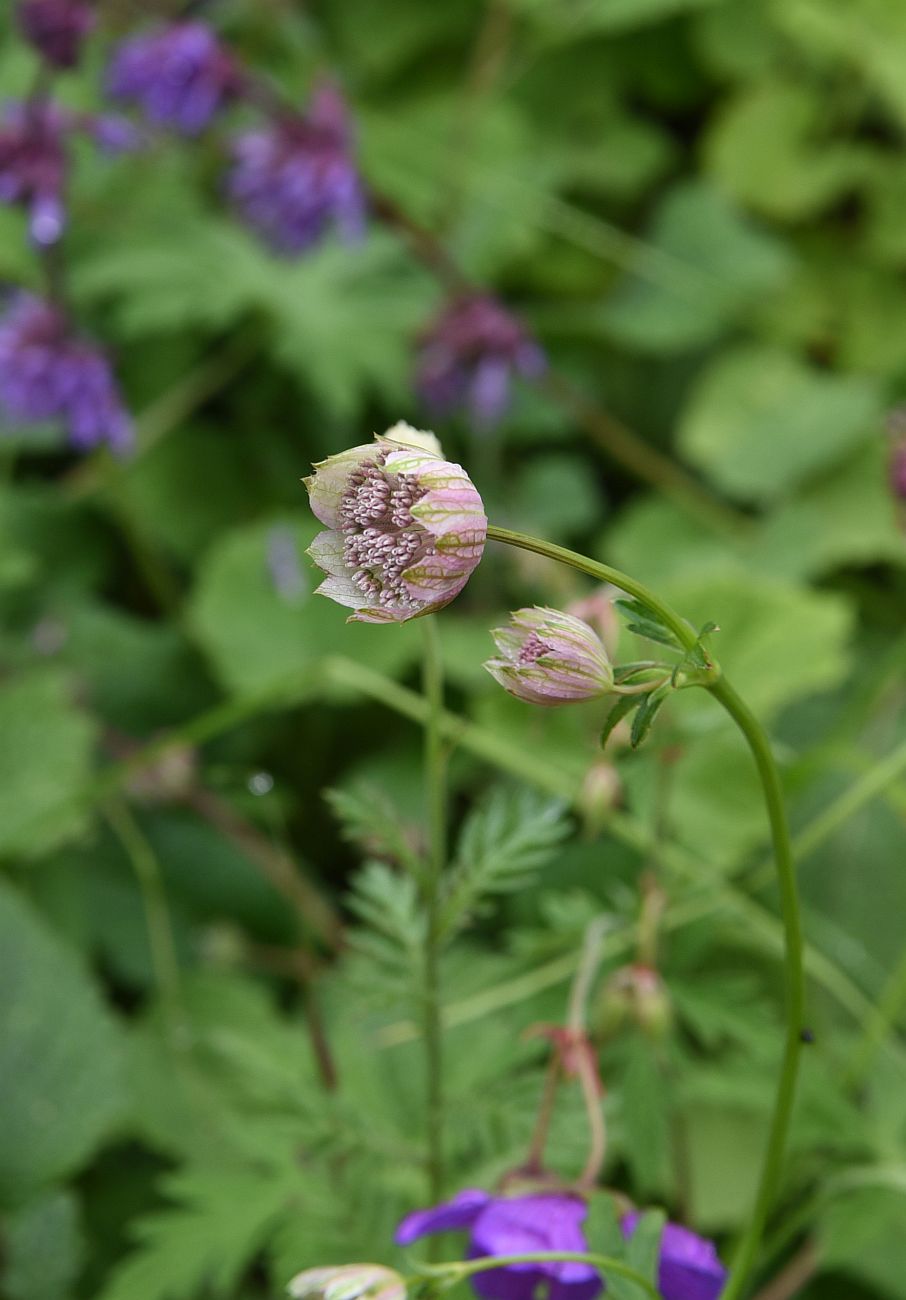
(404,529)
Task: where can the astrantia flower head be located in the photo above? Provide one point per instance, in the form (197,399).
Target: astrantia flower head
(47,372)
(689,1267)
(34,162)
(294,179)
(548,657)
(180,75)
(469,355)
(57,27)
(405,529)
(510,1226)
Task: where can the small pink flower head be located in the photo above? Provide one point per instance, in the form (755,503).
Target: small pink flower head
(405,528)
(548,657)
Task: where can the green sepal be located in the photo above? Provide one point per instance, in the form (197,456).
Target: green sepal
(647,623)
(623,707)
(698,666)
(648,710)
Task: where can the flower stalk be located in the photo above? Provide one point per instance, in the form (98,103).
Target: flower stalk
(436,805)
(759,746)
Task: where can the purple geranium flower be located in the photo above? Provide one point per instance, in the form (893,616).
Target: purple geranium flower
(57,28)
(689,1267)
(180,75)
(34,164)
(469,354)
(47,372)
(511,1226)
(295,178)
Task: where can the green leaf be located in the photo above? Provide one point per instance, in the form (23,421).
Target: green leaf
(866,35)
(645,1112)
(45,760)
(501,848)
(647,623)
(644,1248)
(769,149)
(61,1083)
(777,640)
(258,635)
(623,707)
(370,820)
(759,422)
(554,496)
(648,711)
(706,265)
(202,1243)
(392,932)
(43,1246)
(861,1234)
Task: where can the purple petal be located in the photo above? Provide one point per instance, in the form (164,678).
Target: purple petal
(452,1216)
(689,1267)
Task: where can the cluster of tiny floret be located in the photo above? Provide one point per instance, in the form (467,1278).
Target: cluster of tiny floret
(532,649)
(381,539)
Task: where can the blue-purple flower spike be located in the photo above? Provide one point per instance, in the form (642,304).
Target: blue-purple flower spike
(57,28)
(469,355)
(47,372)
(180,75)
(33,167)
(295,179)
(499,1225)
(34,163)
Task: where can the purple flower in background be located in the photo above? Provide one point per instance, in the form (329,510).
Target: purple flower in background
(49,373)
(295,178)
(180,75)
(688,1267)
(469,354)
(510,1226)
(57,28)
(548,657)
(34,164)
(898,470)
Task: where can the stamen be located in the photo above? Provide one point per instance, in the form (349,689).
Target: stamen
(532,649)
(381,540)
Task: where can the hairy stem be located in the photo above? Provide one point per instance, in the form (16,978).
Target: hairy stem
(760,749)
(436,807)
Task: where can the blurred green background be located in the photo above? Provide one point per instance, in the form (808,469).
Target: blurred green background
(698,208)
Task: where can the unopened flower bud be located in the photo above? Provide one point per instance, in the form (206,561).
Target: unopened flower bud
(348,1282)
(600,794)
(634,995)
(548,657)
(57,28)
(405,529)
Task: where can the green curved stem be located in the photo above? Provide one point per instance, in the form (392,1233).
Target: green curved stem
(760,749)
(772,1166)
(465,1268)
(436,802)
(602,573)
